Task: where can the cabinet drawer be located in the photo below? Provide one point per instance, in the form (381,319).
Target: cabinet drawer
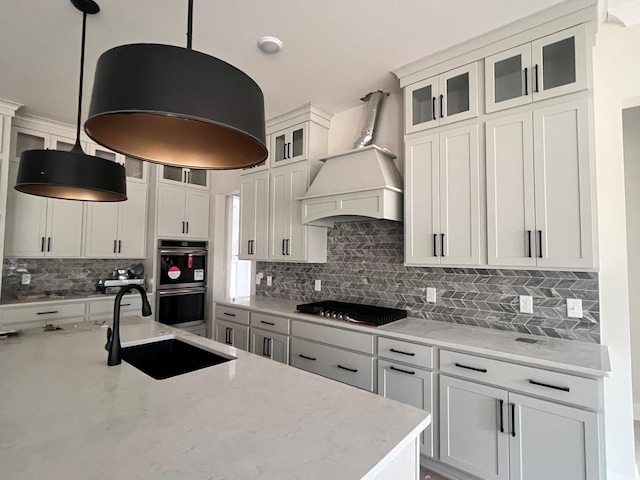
(406,352)
(360,342)
(562,387)
(346,367)
(232,314)
(271,323)
(42,314)
(129,303)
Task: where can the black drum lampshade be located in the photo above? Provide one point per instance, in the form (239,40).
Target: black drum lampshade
(72,175)
(176,106)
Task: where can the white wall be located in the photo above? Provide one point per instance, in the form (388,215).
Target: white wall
(631,129)
(616,79)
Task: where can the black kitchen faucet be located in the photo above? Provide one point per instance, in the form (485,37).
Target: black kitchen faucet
(113,336)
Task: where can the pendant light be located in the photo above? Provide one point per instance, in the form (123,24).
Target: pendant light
(177,106)
(72,175)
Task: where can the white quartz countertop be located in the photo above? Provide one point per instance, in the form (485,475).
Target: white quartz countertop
(65,414)
(555,354)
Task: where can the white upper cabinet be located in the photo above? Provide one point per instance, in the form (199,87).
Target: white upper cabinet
(290,145)
(39,226)
(548,67)
(182,213)
(187,177)
(539,191)
(254,217)
(289,239)
(446,98)
(118,229)
(442,199)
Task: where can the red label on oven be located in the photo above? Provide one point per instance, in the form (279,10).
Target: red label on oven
(174,273)
(190,261)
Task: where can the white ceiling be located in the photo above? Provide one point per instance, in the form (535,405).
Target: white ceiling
(335,51)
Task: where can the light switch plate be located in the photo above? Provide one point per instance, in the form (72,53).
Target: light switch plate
(431,295)
(574,308)
(26,279)
(526,304)
(259,278)
(317,285)
(269,280)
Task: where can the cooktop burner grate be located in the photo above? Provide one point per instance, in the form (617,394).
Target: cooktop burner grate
(353,312)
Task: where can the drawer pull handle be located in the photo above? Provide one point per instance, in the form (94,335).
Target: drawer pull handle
(47,313)
(564,389)
(401,352)
(230,314)
(481,370)
(408,372)
(353,370)
(267,323)
(125,305)
(308,358)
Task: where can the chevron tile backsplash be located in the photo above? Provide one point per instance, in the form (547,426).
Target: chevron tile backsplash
(57,274)
(365,265)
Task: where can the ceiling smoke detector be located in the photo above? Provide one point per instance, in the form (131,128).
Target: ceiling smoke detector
(270,44)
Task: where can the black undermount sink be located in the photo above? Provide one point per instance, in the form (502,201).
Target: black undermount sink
(168,358)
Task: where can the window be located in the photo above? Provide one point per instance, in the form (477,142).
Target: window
(239,271)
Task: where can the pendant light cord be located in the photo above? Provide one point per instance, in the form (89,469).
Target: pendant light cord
(77,148)
(190,24)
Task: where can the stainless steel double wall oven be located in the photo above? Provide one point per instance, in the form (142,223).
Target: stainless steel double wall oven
(181,288)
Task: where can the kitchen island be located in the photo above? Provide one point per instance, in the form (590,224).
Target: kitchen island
(65,414)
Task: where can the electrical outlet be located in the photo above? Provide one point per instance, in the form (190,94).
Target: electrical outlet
(526,304)
(259,278)
(26,279)
(574,308)
(269,280)
(431,295)
(317,286)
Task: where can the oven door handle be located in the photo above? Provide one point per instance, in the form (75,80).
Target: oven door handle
(180,291)
(181,251)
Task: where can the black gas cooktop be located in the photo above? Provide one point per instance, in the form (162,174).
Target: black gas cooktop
(353,312)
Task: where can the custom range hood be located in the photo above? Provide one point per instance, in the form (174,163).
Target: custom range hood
(360,184)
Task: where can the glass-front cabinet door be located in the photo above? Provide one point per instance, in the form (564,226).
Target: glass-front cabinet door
(548,67)
(193,177)
(422,110)
(458,94)
(508,78)
(559,63)
(447,98)
(288,146)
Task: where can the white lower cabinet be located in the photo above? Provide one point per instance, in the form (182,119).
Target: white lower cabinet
(493,433)
(232,334)
(353,368)
(232,327)
(270,336)
(412,386)
(270,345)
